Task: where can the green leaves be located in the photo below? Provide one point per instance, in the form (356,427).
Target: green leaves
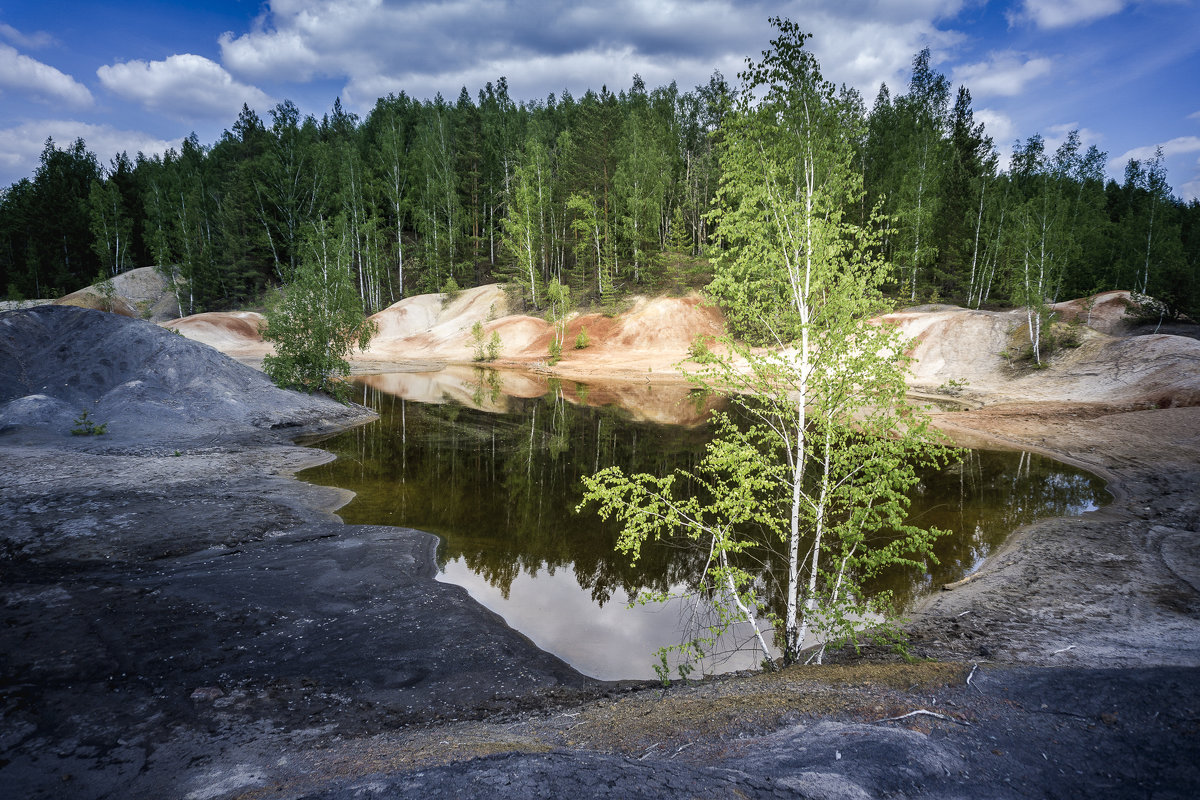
(823,447)
(316,320)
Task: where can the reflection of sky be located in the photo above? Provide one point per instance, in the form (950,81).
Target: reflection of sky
(500,492)
(610,642)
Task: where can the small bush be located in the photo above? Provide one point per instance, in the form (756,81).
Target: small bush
(478,346)
(484,349)
(953,387)
(85,426)
(581,339)
(555,352)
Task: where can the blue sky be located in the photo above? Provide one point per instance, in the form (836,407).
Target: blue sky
(140,75)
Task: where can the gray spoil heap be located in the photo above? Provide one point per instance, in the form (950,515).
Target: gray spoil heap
(142,380)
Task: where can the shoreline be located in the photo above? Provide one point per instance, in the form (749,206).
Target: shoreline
(183,617)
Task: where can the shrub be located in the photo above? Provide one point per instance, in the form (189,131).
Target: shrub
(85,426)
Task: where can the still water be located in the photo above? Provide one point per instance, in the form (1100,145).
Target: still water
(491,463)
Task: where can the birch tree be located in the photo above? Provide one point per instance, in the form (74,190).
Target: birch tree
(824,446)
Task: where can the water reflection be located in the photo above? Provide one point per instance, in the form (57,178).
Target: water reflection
(491,462)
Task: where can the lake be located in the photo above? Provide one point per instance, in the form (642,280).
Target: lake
(491,463)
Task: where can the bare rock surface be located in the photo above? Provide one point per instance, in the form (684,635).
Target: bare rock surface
(142,293)
(171,600)
(179,617)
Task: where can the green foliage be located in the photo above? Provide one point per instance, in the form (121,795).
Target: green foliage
(608,192)
(558,300)
(86,426)
(482,347)
(494,346)
(478,342)
(953,387)
(581,339)
(829,446)
(108,292)
(314,322)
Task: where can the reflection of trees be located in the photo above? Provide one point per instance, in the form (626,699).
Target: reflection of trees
(981,501)
(501,489)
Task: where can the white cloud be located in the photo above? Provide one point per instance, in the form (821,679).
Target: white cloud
(32,41)
(998,125)
(1180,145)
(867,52)
(1005,74)
(1194,115)
(1052,14)
(21,145)
(41,81)
(1191,190)
(426,47)
(1001,128)
(185,86)
(1055,135)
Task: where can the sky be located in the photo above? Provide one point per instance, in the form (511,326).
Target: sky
(139,75)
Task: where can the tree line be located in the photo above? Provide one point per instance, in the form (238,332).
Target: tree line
(607,194)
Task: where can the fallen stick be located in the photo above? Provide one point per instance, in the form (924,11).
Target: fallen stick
(972,675)
(948,586)
(681,748)
(924,713)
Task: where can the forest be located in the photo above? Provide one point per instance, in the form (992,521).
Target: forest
(608,194)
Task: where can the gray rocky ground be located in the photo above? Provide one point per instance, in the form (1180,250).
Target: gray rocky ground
(181,618)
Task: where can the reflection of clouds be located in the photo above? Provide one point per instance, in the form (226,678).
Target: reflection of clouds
(610,642)
(500,488)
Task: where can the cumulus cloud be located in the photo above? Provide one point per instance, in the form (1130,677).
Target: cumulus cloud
(1005,74)
(41,81)
(21,145)
(1175,152)
(1191,189)
(1051,14)
(378,46)
(32,41)
(998,125)
(1002,129)
(1180,145)
(184,86)
(1055,135)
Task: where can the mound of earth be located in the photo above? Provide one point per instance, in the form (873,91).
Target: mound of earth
(1104,312)
(171,597)
(141,380)
(142,293)
(234,333)
(957,345)
(652,336)
(435,326)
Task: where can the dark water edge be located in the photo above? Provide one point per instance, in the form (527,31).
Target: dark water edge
(497,477)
